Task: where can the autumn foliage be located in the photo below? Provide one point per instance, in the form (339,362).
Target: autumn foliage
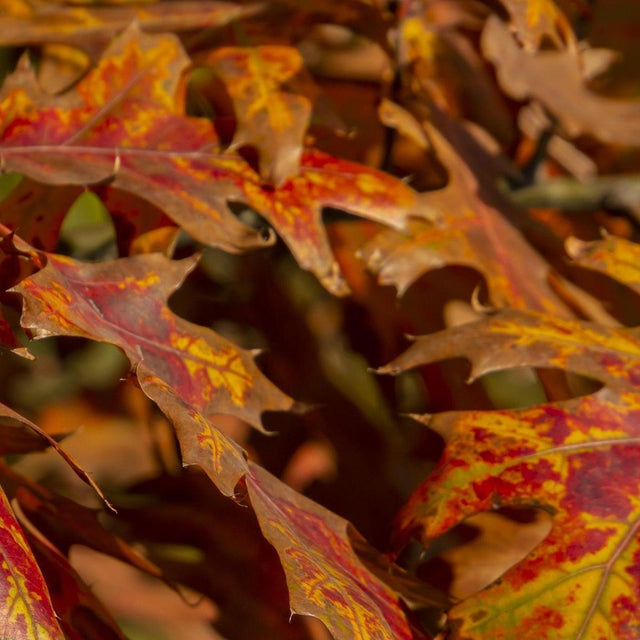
(326,309)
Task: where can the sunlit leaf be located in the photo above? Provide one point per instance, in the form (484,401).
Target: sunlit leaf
(271,120)
(614,256)
(123,123)
(470,229)
(577,459)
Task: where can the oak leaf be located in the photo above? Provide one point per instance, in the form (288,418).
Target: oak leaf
(81,615)
(124,123)
(533,20)
(91,27)
(617,257)
(469,229)
(124,302)
(577,459)
(326,579)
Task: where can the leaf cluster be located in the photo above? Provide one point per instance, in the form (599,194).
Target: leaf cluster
(219,221)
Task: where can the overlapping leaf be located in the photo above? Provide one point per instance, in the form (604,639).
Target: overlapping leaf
(20,435)
(80,613)
(469,229)
(35,211)
(191,373)
(271,120)
(124,123)
(555,78)
(578,459)
(26,610)
(66,523)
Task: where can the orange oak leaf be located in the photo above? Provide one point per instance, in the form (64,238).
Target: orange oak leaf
(27,612)
(533,20)
(555,78)
(469,229)
(577,459)
(271,120)
(200,441)
(326,579)
(124,123)
(124,302)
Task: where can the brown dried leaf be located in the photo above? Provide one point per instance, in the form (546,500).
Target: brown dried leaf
(555,78)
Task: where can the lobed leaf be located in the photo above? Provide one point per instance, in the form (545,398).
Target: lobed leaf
(325,577)
(613,256)
(533,20)
(124,124)
(124,302)
(81,614)
(90,28)
(469,229)
(577,459)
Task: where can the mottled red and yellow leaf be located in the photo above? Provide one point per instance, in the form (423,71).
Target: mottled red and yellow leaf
(577,459)
(271,120)
(124,302)
(614,256)
(325,577)
(26,612)
(125,123)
